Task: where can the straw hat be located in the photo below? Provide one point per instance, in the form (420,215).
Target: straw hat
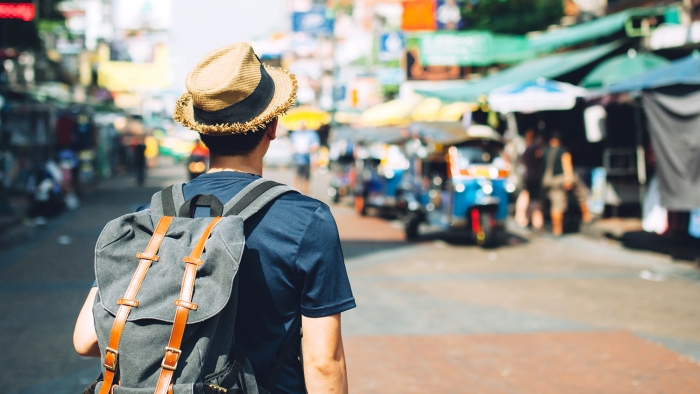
(230,92)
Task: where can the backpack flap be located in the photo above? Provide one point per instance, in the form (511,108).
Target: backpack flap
(116,262)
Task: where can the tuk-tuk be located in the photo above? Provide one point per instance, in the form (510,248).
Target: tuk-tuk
(381,165)
(459,181)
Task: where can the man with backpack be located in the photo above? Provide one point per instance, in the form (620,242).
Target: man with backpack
(208,288)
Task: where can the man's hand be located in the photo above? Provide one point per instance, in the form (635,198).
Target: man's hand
(324,357)
(84,336)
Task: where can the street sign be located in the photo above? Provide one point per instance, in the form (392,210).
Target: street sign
(391,46)
(314,21)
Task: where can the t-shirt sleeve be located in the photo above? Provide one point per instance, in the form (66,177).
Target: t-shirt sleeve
(325,289)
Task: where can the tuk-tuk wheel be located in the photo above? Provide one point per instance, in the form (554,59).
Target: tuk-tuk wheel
(485,234)
(488,237)
(412,224)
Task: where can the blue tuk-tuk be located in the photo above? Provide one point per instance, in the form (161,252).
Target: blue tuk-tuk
(459,181)
(381,165)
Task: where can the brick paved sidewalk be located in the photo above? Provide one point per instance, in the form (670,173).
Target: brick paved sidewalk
(541,315)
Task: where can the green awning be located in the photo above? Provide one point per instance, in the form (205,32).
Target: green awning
(551,67)
(621,68)
(598,28)
(483,48)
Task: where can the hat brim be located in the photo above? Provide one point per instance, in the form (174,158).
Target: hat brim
(283,98)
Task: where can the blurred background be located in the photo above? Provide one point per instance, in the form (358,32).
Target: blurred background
(516,183)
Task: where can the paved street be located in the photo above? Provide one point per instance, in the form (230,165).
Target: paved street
(537,315)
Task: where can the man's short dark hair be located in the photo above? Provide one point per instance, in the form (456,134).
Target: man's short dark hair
(234,144)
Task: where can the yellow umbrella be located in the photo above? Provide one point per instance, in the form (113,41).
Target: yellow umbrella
(453,112)
(315,118)
(427,110)
(391,113)
(347,117)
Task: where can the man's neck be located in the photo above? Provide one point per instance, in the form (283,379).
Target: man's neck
(250,164)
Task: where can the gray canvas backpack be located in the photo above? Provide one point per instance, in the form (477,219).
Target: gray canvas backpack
(167,296)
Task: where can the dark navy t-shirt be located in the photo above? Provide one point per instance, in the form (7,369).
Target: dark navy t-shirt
(292,264)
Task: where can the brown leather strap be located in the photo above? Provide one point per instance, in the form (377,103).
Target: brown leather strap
(184,304)
(125,304)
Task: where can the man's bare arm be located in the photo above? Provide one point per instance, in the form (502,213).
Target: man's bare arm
(324,357)
(568,167)
(84,335)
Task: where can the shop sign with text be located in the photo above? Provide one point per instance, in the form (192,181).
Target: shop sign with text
(314,21)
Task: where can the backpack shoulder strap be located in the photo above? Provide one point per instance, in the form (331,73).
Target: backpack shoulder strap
(167,202)
(254,197)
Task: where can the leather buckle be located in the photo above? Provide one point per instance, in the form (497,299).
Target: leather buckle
(128,302)
(168,363)
(186,304)
(111,363)
(190,260)
(147,256)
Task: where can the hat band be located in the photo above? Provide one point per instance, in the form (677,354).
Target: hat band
(243,111)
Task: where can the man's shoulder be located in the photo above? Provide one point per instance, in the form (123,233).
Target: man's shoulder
(300,216)
(298,201)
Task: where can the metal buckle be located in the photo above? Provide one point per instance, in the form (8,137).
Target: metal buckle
(113,365)
(177,353)
(216,389)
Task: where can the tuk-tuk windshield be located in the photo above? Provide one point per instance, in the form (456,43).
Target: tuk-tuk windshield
(474,155)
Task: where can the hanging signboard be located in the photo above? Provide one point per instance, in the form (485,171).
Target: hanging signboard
(417,71)
(418,15)
(448,14)
(143,14)
(391,46)
(473,48)
(388,76)
(313,21)
(23,11)
(476,48)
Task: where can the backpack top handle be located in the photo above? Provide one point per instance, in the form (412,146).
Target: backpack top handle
(216,208)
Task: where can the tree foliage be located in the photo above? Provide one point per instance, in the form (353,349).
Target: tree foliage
(511,16)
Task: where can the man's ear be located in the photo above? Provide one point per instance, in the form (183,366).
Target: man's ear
(271,130)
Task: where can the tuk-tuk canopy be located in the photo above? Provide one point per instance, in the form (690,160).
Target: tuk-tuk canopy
(386,135)
(401,112)
(451,133)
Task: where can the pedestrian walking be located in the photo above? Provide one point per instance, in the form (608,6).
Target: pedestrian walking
(140,161)
(559,178)
(289,273)
(305,142)
(528,206)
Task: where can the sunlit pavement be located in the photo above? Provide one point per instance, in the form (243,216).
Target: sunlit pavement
(537,315)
